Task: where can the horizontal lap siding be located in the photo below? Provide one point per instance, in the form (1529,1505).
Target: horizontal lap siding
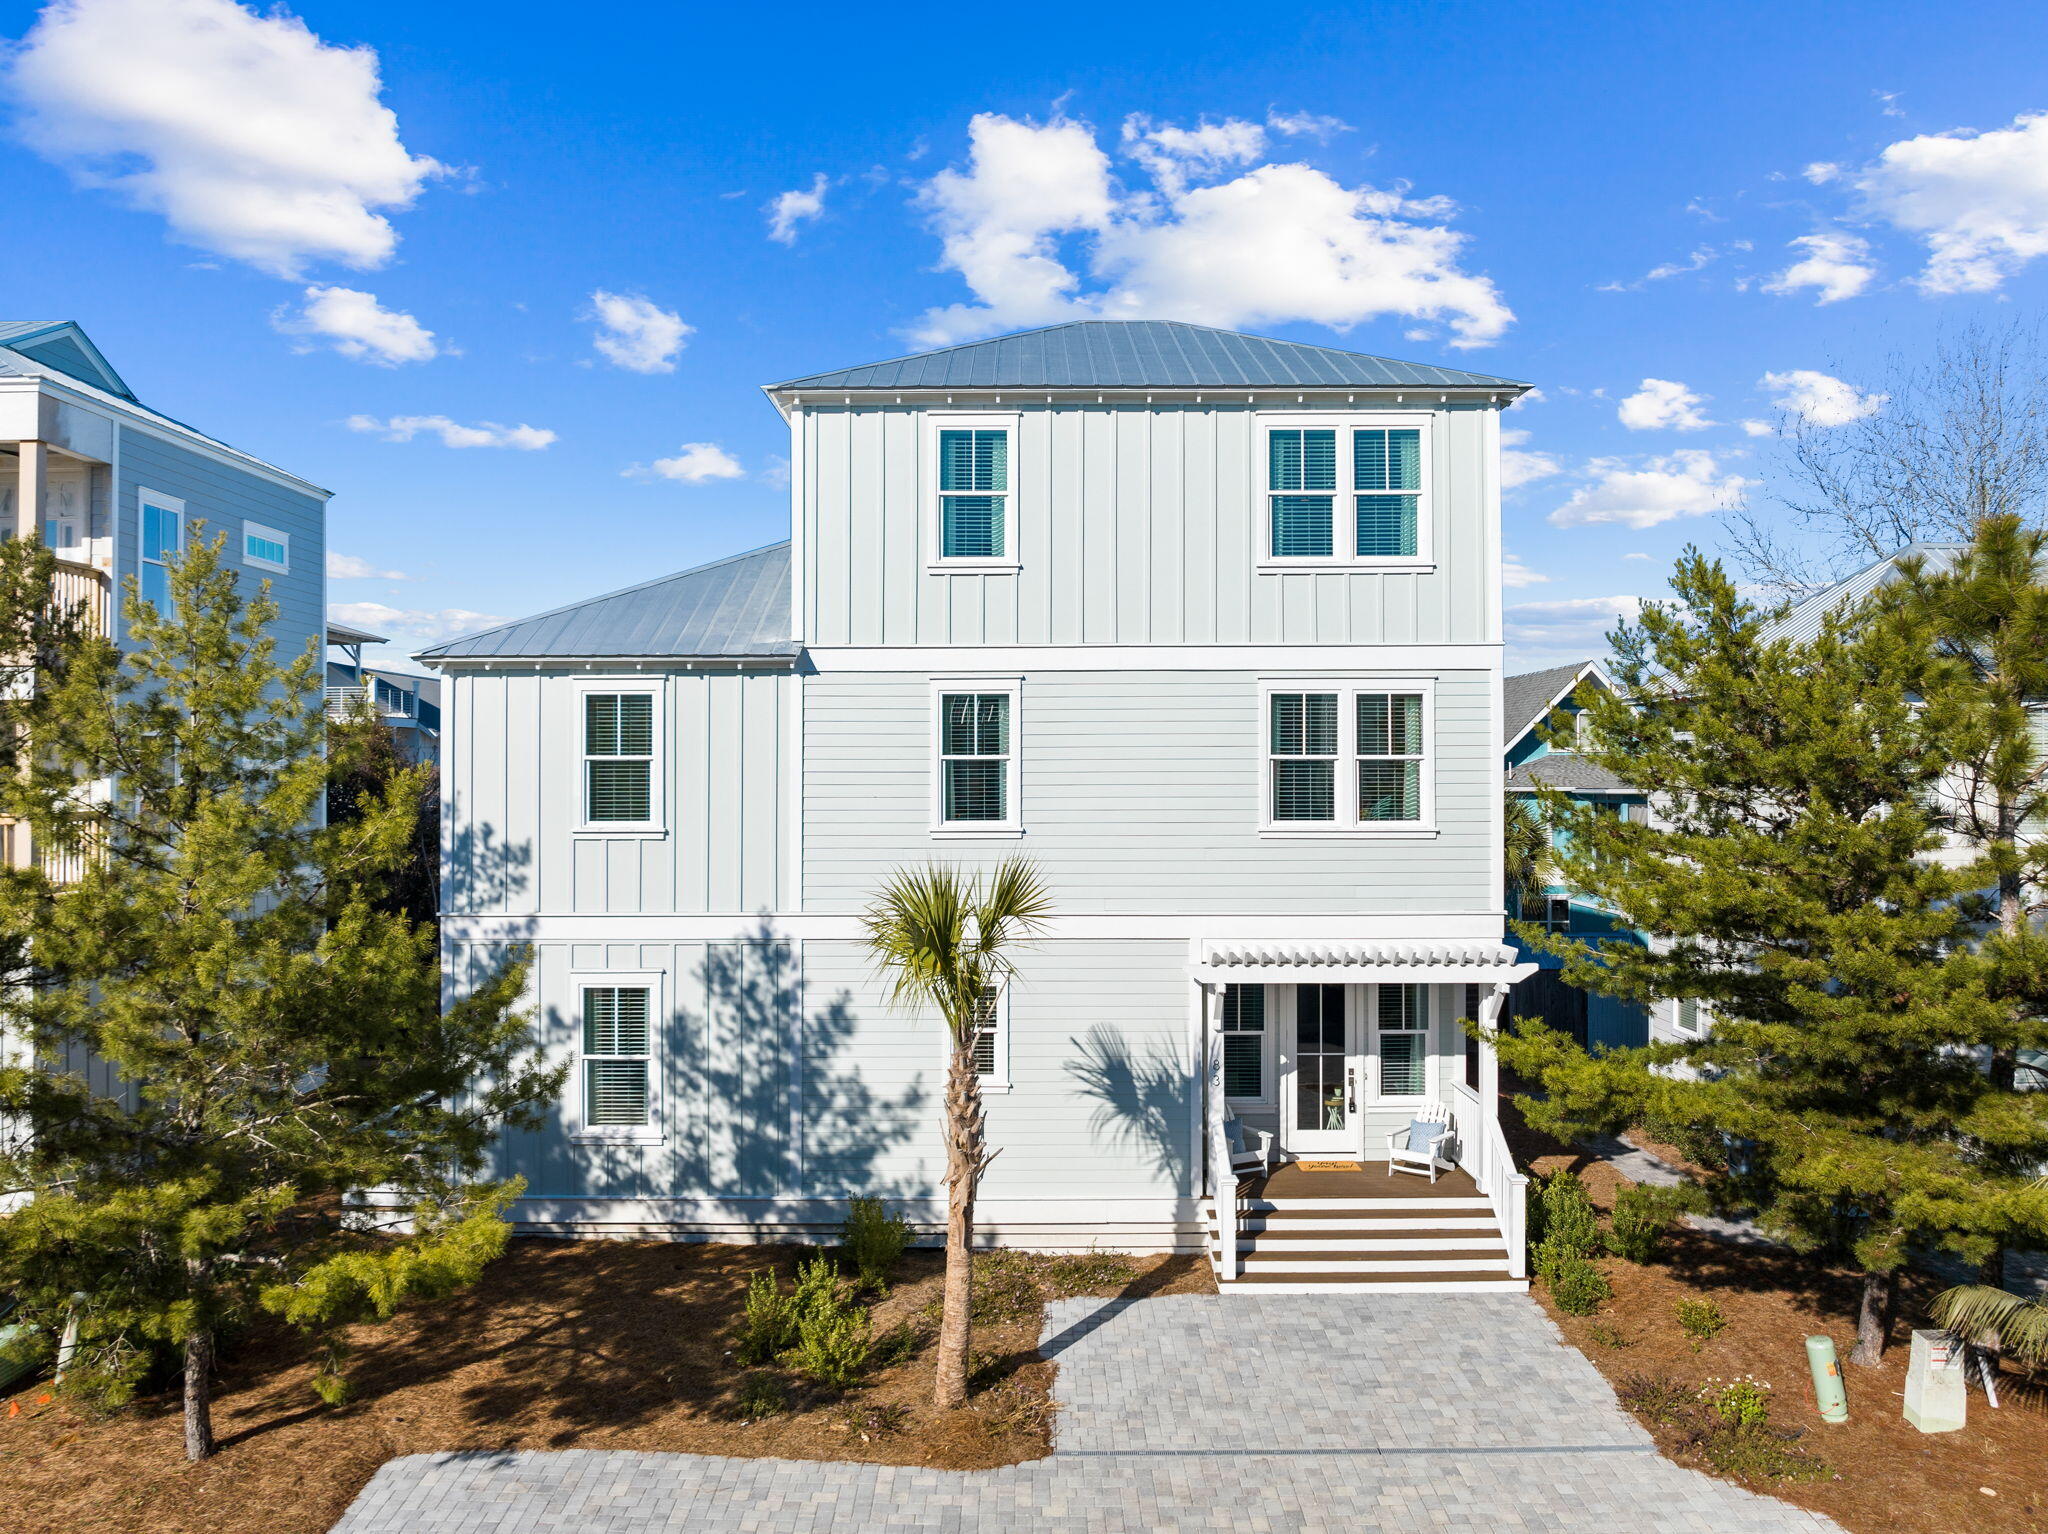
(512,767)
(1140,792)
(1132,526)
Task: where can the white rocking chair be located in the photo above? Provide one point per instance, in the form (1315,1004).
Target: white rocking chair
(1410,1149)
(1245,1162)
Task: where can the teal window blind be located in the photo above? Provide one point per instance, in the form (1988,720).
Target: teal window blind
(974,485)
(988,1042)
(1386,459)
(1244,1041)
(618,752)
(1404,1042)
(617,1050)
(1390,756)
(1302,459)
(1303,747)
(974,756)
(1303,527)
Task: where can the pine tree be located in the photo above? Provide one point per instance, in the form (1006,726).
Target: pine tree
(1792,879)
(232,1034)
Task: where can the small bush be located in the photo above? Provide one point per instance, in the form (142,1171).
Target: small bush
(1578,1287)
(1641,1217)
(1569,1221)
(877,1421)
(1759,1453)
(1662,1400)
(1701,1321)
(817,1289)
(874,1240)
(1610,1336)
(1742,1402)
(833,1345)
(902,1342)
(761,1395)
(769,1326)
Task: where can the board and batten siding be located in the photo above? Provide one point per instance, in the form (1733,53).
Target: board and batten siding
(222,497)
(1134,525)
(512,785)
(1139,792)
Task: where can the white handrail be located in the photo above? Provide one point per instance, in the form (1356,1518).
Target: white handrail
(1507,1190)
(1222,1178)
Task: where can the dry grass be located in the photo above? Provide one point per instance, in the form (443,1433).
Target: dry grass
(614,1345)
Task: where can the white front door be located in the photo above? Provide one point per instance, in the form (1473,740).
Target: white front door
(1321,1071)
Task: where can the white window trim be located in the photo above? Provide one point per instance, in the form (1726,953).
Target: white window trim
(1270,1098)
(1703,1020)
(933,423)
(274,535)
(147,497)
(1344,528)
(657,772)
(1347,824)
(655,1130)
(998,1080)
(1426,1031)
(1013,824)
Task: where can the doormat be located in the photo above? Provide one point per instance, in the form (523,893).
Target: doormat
(1331,1166)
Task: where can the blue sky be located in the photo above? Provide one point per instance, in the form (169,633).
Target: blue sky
(280,223)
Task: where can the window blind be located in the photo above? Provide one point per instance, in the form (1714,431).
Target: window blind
(618,746)
(1304,725)
(1244,1041)
(1303,459)
(1390,750)
(987,1031)
(616,1046)
(1404,1057)
(974,749)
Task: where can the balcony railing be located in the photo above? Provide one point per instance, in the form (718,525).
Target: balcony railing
(343,702)
(82,586)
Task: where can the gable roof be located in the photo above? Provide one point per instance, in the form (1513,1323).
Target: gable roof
(1803,623)
(1526,700)
(737,606)
(1137,354)
(60,344)
(1565,769)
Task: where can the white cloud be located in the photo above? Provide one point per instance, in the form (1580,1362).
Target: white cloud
(1568,628)
(1306,125)
(403,428)
(252,138)
(1818,399)
(1635,554)
(1514,573)
(698,463)
(1663,405)
(1838,265)
(1274,244)
(1527,397)
(347,567)
(1702,255)
(636,333)
(1756,428)
(416,625)
(788,209)
(357,326)
(1978,200)
(1688,483)
(1519,465)
(1820,172)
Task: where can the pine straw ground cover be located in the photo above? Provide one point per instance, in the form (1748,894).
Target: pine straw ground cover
(590,1345)
(1881,1476)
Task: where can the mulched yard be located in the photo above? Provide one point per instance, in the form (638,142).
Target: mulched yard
(591,1345)
(1883,1476)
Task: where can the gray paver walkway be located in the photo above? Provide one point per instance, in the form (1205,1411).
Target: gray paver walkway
(1286,1413)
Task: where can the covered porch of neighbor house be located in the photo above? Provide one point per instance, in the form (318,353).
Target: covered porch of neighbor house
(1322,1055)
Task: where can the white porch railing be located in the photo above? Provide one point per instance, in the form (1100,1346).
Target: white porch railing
(1222,1180)
(342,702)
(83,587)
(1507,1190)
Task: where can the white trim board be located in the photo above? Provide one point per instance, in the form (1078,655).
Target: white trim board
(1435,659)
(1119,927)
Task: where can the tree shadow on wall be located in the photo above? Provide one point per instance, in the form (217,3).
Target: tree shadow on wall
(1138,1103)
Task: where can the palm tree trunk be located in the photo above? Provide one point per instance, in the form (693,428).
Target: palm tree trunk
(199,1395)
(1873,1320)
(965,1153)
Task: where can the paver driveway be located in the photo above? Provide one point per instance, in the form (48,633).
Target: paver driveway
(1287,1413)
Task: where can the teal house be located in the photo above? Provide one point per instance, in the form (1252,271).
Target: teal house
(1528,700)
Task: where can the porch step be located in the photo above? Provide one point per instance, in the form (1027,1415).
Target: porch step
(1416,1206)
(1292,1222)
(1422,1262)
(1317,1242)
(1377,1283)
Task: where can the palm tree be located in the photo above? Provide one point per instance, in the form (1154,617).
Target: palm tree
(1526,852)
(2020,1325)
(943,937)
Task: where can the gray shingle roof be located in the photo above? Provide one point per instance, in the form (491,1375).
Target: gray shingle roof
(732,607)
(1128,354)
(1526,699)
(1562,769)
(1802,623)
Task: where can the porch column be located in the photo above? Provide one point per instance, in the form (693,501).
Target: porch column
(32,491)
(1506,1188)
(1222,1180)
(1489,1062)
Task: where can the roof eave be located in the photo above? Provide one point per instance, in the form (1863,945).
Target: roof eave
(787,396)
(763,658)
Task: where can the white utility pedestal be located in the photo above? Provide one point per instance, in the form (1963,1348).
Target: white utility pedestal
(1936,1386)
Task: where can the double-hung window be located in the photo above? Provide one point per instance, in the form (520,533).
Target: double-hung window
(1244,1043)
(1691,1017)
(973,472)
(163,539)
(1341,491)
(620,787)
(975,782)
(1402,1022)
(1347,756)
(618,1055)
(991,1043)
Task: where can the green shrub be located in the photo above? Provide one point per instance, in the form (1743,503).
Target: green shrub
(1610,1336)
(769,1326)
(834,1344)
(1570,1224)
(874,1240)
(1641,1217)
(817,1289)
(1759,1453)
(761,1395)
(1664,1401)
(873,1420)
(1701,1321)
(1742,1402)
(1578,1286)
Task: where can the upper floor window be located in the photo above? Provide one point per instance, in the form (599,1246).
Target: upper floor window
(619,784)
(977,758)
(974,526)
(1344,492)
(1347,757)
(266,547)
(163,539)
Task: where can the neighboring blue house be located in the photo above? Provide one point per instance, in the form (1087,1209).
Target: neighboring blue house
(1209,626)
(409,704)
(1528,701)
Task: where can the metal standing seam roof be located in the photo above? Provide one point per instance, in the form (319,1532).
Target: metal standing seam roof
(738,606)
(1802,624)
(1137,354)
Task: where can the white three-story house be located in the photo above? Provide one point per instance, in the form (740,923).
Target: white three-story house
(1207,625)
